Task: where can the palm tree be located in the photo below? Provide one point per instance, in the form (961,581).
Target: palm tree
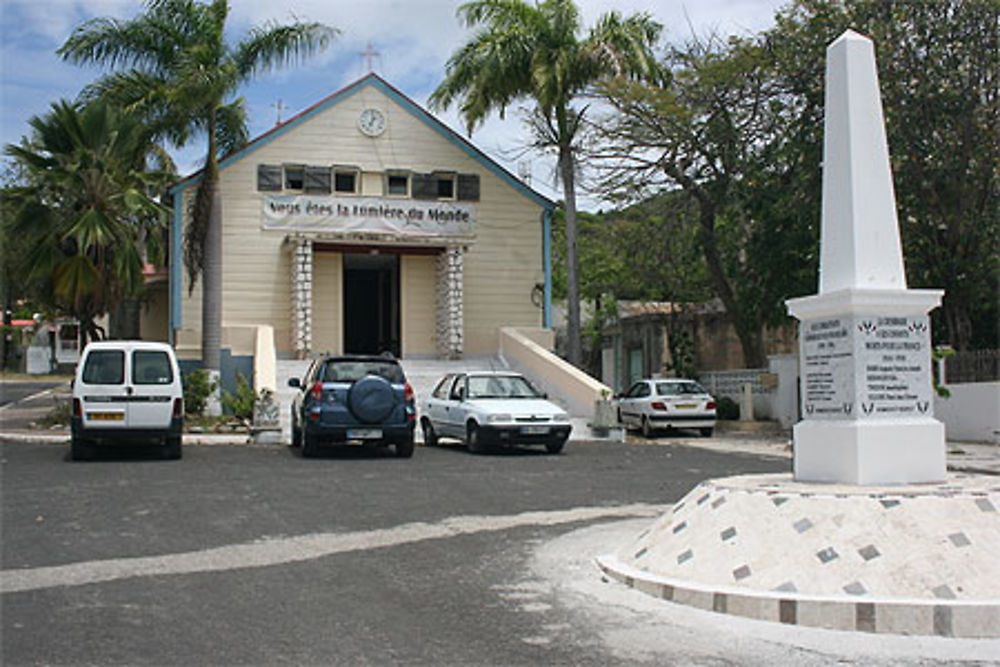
(174,65)
(87,216)
(536,51)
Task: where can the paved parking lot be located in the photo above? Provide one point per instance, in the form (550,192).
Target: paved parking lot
(253,555)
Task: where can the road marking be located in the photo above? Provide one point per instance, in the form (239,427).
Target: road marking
(277,551)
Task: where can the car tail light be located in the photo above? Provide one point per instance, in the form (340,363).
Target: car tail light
(658,405)
(407,392)
(317,391)
(77,407)
(178,408)
(711,405)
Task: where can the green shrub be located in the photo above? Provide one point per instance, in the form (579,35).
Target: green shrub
(198,386)
(727,408)
(240,403)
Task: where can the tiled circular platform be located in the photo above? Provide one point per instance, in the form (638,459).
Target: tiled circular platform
(919,559)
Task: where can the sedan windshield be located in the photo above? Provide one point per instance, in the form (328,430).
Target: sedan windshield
(500,386)
(678,388)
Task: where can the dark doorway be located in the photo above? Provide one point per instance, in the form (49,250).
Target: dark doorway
(371,303)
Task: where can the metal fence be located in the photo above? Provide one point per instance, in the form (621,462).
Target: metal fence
(972,366)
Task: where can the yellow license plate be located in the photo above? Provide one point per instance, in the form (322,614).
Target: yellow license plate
(106,416)
(686,406)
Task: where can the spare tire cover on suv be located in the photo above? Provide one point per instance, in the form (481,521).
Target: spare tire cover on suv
(371,399)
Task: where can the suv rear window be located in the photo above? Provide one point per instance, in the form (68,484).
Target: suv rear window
(341,370)
(151,367)
(104,367)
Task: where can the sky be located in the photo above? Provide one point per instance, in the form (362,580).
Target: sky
(413,40)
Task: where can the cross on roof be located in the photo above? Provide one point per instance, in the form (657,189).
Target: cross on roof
(278,107)
(369,54)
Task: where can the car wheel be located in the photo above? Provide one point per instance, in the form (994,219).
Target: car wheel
(706,432)
(310,447)
(81,449)
(296,433)
(404,448)
(647,430)
(172,452)
(472,440)
(430,437)
(555,446)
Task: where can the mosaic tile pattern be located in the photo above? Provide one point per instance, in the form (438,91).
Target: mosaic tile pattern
(846,541)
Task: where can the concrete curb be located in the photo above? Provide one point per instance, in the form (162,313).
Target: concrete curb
(62,438)
(957,619)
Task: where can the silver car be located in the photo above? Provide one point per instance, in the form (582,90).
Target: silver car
(654,404)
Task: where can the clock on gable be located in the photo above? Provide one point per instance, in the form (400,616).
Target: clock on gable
(372,122)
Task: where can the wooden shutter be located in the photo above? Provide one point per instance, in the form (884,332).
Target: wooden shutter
(269,177)
(468,187)
(423,186)
(316,179)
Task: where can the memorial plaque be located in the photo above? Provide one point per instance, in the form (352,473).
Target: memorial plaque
(866,368)
(827,362)
(894,374)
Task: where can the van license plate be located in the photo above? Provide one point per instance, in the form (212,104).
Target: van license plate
(364,433)
(534,430)
(106,416)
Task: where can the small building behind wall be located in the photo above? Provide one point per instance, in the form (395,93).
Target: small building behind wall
(639,344)
(365,225)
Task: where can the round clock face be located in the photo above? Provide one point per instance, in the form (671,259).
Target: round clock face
(372,122)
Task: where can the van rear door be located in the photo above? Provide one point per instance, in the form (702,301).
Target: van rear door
(104,394)
(152,377)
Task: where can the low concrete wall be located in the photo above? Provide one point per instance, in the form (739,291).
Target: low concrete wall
(971,413)
(574,388)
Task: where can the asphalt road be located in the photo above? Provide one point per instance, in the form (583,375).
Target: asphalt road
(253,555)
(11,392)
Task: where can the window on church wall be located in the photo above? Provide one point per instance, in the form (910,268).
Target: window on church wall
(438,185)
(444,186)
(294,176)
(345,180)
(397,184)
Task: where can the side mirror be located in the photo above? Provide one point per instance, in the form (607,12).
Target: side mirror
(294,382)
(544,394)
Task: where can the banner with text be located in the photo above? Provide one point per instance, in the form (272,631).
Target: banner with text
(408,217)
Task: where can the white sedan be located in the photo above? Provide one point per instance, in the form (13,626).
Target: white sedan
(654,404)
(492,408)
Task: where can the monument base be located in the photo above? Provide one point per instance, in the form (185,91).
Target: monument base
(882,452)
(919,560)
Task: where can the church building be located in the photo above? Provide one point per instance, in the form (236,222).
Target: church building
(364,225)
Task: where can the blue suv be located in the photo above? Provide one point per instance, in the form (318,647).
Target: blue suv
(346,399)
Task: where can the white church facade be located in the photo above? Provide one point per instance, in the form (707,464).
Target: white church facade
(365,225)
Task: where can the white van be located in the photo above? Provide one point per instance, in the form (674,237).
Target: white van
(127,392)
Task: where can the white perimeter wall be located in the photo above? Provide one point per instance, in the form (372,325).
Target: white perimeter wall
(971,413)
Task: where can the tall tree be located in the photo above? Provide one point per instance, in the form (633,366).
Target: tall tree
(720,131)
(87,213)
(174,64)
(537,51)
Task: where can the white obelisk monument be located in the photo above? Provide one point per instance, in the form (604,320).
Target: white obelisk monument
(864,340)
